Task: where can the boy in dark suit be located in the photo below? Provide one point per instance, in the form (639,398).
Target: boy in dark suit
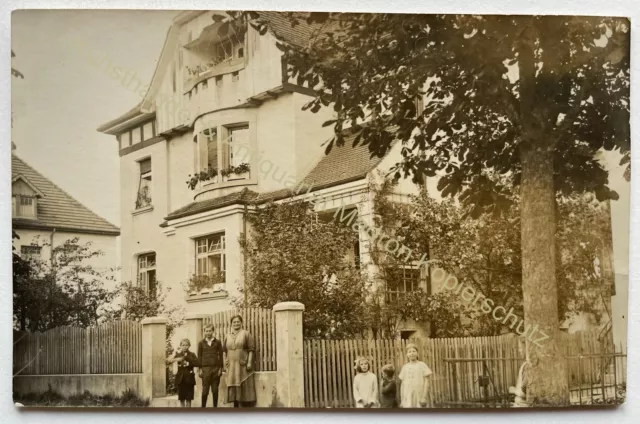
(210,357)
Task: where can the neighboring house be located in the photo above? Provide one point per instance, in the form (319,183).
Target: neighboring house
(44,215)
(221,104)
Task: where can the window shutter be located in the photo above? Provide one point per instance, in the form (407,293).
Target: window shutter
(145,166)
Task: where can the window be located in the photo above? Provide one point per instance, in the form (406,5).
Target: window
(147,272)
(219,81)
(205,84)
(224,51)
(147,131)
(210,257)
(31,251)
(24,206)
(208,146)
(241,52)
(136,135)
(238,150)
(401,281)
(235,76)
(224,152)
(144,186)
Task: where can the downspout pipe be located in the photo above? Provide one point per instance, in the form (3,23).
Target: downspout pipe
(51,245)
(244,257)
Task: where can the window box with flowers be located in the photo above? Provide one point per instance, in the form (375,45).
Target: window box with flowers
(209,174)
(205,286)
(239,172)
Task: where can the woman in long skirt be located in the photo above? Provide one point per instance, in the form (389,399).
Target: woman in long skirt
(240,349)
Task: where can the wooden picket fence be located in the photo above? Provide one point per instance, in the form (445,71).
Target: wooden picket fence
(260,323)
(110,348)
(465,370)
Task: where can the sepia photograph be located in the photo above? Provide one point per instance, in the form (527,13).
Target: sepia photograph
(270,209)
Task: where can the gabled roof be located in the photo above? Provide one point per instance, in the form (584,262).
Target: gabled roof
(25,180)
(57,209)
(342,165)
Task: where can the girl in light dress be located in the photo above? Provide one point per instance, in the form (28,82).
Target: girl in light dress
(414,377)
(365,385)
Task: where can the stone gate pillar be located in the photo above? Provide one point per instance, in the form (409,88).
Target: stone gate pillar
(289,359)
(154,337)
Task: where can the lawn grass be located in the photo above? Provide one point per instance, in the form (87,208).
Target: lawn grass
(50,398)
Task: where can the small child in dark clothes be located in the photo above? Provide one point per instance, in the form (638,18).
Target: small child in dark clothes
(388,388)
(185,377)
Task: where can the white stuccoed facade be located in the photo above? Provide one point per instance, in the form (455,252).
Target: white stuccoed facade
(284,145)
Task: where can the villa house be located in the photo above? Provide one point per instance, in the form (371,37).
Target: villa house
(45,216)
(221,106)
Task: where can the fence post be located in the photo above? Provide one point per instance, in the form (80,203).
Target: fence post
(289,360)
(154,379)
(87,350)
(194,334)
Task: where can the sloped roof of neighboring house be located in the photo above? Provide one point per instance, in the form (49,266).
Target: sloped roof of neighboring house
(56,208)
(342,165)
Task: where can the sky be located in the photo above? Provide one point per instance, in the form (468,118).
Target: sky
(66,93)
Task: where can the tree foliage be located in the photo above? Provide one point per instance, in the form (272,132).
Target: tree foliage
(485,254)
(293,255)
(137,303)
(66,290)
(372,67)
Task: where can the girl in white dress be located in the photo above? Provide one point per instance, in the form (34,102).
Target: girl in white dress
(414,388)
(365,385)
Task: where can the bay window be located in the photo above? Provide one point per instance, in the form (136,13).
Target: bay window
(224,152)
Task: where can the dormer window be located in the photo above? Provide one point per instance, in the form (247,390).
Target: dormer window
(24,206)
(24,199)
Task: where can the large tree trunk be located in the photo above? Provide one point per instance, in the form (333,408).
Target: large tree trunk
(546,378)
